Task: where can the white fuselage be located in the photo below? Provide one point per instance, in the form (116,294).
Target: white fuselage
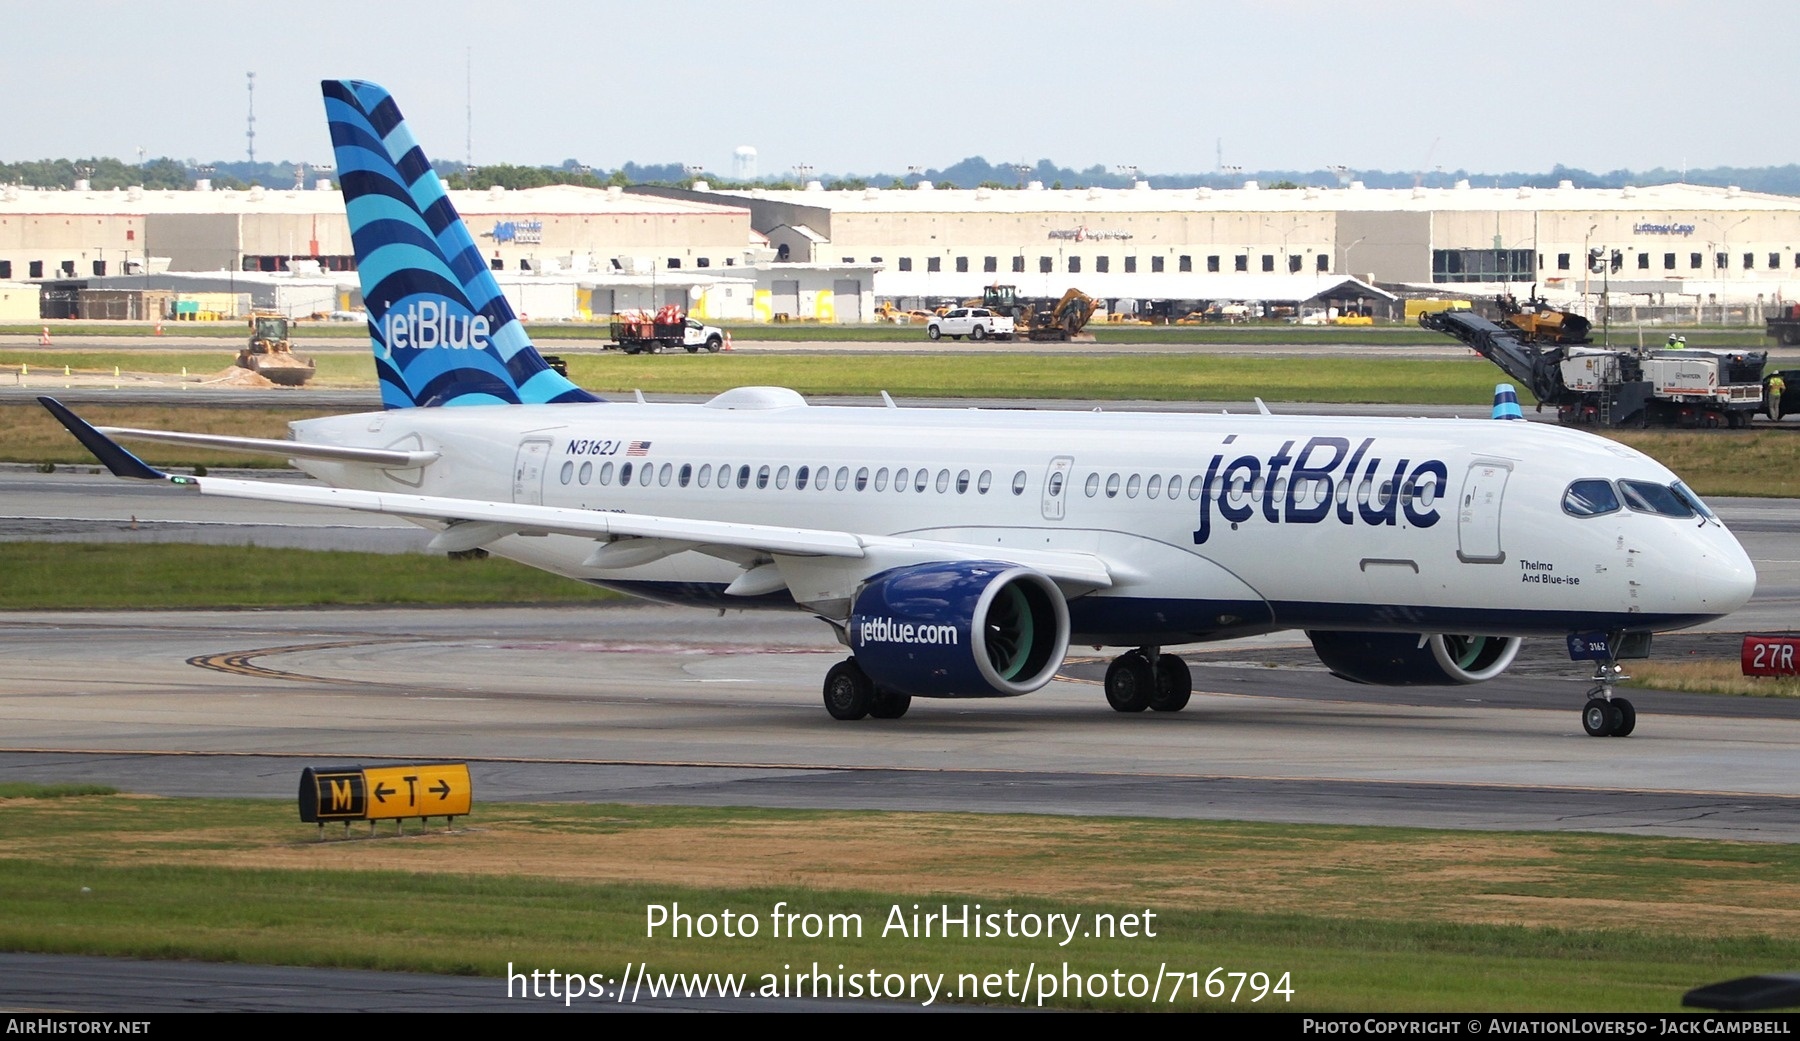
(1213,525)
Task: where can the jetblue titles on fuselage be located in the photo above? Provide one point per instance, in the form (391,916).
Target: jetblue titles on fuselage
(1320,486)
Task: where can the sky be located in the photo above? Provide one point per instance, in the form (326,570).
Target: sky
(877,87)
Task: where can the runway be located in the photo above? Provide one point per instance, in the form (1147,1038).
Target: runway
(642,703)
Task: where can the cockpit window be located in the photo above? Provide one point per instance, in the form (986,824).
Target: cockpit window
(1648,497)
(1590,498)
(1686,494)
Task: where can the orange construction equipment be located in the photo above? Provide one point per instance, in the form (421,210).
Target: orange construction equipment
(44,339)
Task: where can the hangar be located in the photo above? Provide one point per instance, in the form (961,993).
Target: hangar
(1672,243)
(828,255)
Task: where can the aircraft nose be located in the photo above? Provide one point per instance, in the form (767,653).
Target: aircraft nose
(1725,579)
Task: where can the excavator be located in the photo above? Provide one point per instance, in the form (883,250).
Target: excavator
(1042,319)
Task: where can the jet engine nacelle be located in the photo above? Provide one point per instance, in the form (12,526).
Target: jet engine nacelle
(1412,659)
(963,629)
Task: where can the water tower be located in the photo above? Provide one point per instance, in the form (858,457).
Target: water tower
(743,163)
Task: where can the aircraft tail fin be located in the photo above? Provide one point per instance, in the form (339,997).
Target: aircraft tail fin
(1506,402)
(441,330)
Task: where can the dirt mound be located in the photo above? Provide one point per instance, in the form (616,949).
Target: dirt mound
(232,376)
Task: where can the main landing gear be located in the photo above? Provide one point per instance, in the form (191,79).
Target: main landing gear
(1605,715)
(1147,678)
(851,694)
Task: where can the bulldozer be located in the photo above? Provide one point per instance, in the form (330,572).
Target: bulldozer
(270,355)
(1061,319)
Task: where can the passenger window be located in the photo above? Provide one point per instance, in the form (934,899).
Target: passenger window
(606,471)
(962,482)
(984,482)
(1132,485)
(800,476)
(568,472)
(665,475)
(943,482)
(587,473)
(762,477)
(704,479)
(743,480)
(624,475)
(685,475)
(1019,483)
(1590,498)
(900,477)
(862,478)
(724,476)
(822,478)
(881,477)
(1112,485)
(645,473)
(920,479)
(781,477)
(1196,484)
(1093,485)
(843,478)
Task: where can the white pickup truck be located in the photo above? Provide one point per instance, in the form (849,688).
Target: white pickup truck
(977,323)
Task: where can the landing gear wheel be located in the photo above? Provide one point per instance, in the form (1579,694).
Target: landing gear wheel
(1627,717)
(978,333)
(849,694)
(1174,684)
(890,704)
(1600,718)
(1130,683)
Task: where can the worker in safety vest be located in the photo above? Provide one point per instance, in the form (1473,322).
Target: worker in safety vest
(1677,343)
(1777,386)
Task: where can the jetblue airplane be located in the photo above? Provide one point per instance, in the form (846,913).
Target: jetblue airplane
(957,553)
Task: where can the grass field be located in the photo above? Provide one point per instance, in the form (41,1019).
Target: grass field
(1359,918)
(1254,333)
(77,575)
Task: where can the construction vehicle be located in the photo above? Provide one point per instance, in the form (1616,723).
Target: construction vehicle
(1042,319)
(1542,323)
(1610,386)
(1783,328)
(270,355)
(642,332)
(1784,325)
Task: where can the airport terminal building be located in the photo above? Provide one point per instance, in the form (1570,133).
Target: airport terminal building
(816,254)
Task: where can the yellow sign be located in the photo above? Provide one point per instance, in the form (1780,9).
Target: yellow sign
(435,790)
(385,793)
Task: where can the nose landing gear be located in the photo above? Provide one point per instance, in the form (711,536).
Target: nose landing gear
(1605,715)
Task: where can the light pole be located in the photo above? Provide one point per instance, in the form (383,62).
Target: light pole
(1347,269)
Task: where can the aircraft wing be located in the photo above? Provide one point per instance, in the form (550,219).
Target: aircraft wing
(471,523)
(387,458)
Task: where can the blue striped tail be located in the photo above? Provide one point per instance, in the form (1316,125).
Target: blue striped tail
(441,330)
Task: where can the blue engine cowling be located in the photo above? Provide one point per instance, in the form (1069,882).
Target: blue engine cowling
(964,629)
(1412,659)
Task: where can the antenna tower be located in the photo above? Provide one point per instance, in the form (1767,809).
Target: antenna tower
(250,116)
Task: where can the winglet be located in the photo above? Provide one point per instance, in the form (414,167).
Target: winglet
(1506,402)
(121,462)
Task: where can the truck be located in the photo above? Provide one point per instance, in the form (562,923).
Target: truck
(977,323)
(667,329)
(270,354)
(1550,354)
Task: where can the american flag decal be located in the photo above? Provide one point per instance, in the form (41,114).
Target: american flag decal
(638,448)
